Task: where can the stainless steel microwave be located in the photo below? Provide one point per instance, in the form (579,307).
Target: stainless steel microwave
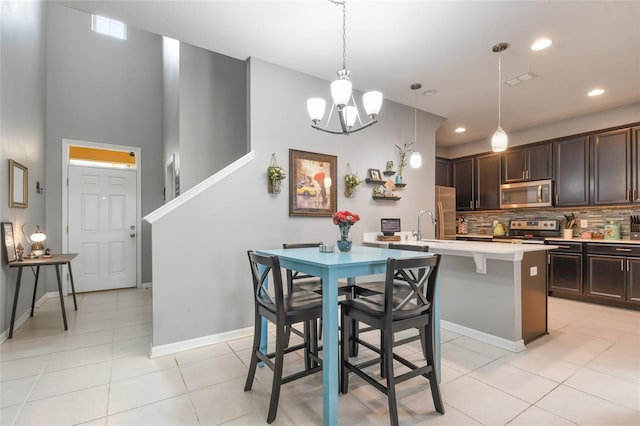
(526,194)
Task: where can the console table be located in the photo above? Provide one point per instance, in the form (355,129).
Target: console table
(55,260)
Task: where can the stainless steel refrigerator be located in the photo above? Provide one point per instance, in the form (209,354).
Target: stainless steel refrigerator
(445,213)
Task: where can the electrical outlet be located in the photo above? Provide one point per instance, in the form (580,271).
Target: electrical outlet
(583,223)
(495,222)
(533,271)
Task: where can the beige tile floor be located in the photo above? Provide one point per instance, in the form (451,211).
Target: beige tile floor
(585,372)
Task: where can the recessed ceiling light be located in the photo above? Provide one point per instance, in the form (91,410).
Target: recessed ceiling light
(461,130)
(595,92)
(541,44)
(430,92)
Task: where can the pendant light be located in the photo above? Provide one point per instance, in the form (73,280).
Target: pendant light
(343,100)
(415,161)
(499,141)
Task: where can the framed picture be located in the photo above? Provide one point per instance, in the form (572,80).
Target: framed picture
(18,184)
(374,174)
(312,184)
(9,244)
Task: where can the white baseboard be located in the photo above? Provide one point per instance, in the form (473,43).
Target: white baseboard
(184,345)
(146,285)
(511,345)
(27,314)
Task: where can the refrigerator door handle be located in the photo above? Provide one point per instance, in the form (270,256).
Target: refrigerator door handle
(440,224)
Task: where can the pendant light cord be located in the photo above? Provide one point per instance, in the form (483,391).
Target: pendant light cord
(499,87)
(415,119)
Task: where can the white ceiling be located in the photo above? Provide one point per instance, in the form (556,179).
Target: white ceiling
(445,45)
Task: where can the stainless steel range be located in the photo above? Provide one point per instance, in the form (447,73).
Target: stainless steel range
(531,231)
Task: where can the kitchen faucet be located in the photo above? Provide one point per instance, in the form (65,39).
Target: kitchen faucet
(418,234)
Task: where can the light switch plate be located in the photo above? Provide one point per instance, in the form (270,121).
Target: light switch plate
(533,271)
(583,223)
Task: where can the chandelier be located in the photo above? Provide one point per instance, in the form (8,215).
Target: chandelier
(499,140)
(343,100)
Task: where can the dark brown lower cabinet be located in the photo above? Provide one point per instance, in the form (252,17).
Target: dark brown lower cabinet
(605,273)
(565,269)
(565,273)
(613,274)
(606,276)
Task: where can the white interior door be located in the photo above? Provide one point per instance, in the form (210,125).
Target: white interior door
(102,227)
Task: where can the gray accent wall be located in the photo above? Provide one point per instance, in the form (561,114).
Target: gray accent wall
(22,124)
(201,277)
(212,113)
(101,89)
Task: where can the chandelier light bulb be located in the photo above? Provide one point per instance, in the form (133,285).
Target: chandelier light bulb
(372,102)
(315,107)
(350,115)
(341,92)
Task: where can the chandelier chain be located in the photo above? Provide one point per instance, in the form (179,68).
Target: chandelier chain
(344,31)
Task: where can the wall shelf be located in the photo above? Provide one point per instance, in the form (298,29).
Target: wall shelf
(377,197)
(388,173)
(377,182)
(400,185)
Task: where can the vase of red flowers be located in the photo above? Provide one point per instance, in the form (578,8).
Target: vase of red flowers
(344,219)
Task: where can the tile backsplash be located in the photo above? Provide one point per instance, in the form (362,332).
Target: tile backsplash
(482,222)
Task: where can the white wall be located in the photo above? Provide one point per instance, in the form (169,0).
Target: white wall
(200,269)
(586,123)
(22,124)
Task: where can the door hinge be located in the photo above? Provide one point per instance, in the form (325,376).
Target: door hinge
(67,181)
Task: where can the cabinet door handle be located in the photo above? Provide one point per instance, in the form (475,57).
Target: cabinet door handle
(564,247)
(635,194)
(621,264)
(471,204)
(628,267)
(528,177)
(523,175)
(623,249)
(557,199)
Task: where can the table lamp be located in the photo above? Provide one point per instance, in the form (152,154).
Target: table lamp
(36,240)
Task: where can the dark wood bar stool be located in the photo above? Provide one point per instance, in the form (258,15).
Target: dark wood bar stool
(396,310)
(282,310)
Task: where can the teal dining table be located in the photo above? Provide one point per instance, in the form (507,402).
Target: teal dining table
(331,267)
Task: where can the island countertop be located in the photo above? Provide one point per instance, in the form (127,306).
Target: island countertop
(490,291)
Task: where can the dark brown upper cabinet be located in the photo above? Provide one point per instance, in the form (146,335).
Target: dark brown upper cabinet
(571,171)
(487,182)
(444,172)
(527,163)
(635,132)
(464,182)
(612,167)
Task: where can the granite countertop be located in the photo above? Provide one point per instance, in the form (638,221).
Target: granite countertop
(592,240)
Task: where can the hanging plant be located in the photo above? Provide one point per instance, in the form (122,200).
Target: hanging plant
(275,175)
(351,181)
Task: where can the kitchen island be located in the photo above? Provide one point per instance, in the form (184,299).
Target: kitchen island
(493,292)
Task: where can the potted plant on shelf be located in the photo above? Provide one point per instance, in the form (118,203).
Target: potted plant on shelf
(275,175)
(403,151)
